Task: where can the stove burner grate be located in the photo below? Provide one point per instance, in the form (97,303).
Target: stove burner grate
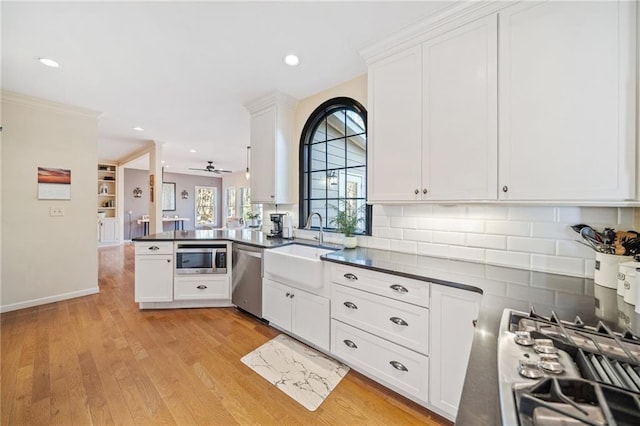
(569,401)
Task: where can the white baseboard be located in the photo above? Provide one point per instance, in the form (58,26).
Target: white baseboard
(49,299)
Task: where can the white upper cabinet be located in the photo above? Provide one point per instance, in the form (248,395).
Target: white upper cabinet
(459,119)
(272,119)
(567,101)
(394,141)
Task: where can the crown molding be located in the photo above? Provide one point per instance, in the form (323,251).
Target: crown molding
(33,102)
(269,99)
(447,19)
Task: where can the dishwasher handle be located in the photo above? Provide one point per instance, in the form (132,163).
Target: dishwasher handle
(250,253)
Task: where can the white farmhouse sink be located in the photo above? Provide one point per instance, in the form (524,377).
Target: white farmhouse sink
(296,265)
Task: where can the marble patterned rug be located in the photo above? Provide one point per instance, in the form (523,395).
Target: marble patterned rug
(304,374)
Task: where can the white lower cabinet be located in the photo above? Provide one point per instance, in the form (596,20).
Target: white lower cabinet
(401,369)
(153,272)
(303,314)
(108,231)
(453,315)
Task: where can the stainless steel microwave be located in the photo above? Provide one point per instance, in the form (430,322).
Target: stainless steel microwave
(201,259)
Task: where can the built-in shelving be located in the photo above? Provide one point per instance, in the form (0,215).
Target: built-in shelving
(106,189)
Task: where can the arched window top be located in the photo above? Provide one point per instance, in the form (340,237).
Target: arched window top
(333,163)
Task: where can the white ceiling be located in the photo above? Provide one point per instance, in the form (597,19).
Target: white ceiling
(184,70)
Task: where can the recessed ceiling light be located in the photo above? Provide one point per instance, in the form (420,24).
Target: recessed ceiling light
(291,60)
(162,161)
(138,129)
(48,62)
(192,150)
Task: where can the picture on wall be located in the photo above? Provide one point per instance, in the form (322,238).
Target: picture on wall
(54,184)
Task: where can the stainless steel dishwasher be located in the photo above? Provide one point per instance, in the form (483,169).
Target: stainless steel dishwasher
(247,278)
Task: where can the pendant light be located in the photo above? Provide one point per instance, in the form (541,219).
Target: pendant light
(247,174)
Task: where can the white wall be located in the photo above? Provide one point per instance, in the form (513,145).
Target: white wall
(44,258)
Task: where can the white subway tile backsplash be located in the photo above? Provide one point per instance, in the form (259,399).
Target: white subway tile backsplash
(487,241)
(404,246)
(531,245)
(417,235)
(530,238)
(557,264)
(508,228)
(456,238)
(466,253)
(538,214)
(404,222)
(508,258)
(552,230)
(430,249)
(395,233)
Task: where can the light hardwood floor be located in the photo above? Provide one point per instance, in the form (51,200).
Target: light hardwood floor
(100,360)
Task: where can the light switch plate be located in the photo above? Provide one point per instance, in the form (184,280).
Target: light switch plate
(56,211)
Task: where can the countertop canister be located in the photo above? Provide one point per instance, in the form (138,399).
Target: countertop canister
(606,270)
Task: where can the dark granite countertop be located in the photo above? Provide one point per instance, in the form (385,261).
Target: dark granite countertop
(501,288)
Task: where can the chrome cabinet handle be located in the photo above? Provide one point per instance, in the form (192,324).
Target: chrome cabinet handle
(154,248)
(424,191)
(201,287)
(399,288)
(398,366)
(475,323)
(350,305)
(350,276)
(287,295)
(350,344)
(416,191)
(398,321)
(505,188)
(292,295)
(168,260)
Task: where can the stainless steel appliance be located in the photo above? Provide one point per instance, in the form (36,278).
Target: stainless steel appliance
(201,259)
(276,225)
(247,279)
(554,372)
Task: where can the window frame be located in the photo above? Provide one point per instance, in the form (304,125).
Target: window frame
(315,119)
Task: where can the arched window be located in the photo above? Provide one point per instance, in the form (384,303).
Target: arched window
(333,163)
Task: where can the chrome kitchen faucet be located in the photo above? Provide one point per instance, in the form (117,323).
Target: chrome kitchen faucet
(308,225)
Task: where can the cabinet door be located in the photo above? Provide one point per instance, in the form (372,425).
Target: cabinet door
(276,304)
(453,313)
(460,145)
(567,101)
(263,155)
(154,278)
(395,139)
(310,318)
(109,230)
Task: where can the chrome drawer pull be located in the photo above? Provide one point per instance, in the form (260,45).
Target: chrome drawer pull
(350,305)
(350,276)
(350,344)
(399,288)
(287,295)
(201,287)
(398,321)
(154,248)
(398,366)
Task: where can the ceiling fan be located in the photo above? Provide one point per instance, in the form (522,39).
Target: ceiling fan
(212,169)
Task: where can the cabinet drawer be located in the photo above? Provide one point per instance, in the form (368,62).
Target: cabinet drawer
(399,322)
(154,247)
(383,361)
(192,288)
(393,286)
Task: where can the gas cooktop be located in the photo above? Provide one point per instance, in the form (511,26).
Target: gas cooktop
(554,372)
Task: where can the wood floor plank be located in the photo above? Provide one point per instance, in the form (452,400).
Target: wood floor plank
(100,360)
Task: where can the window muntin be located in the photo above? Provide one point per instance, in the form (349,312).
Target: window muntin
(333,163)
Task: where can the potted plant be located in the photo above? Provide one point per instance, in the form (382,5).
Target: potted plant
(347,221)
(253,217)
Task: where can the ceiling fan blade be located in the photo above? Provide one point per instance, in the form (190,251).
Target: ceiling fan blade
(202,170)
(223,171)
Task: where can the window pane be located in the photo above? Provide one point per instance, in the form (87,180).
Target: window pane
(320,135)
(356,185)
(319,206)
(319,184)
(335,125)
(355,124)
(231,202)
(335,155)
(318,156)
(356,151)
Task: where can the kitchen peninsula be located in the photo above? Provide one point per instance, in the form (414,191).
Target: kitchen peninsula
(495,288)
